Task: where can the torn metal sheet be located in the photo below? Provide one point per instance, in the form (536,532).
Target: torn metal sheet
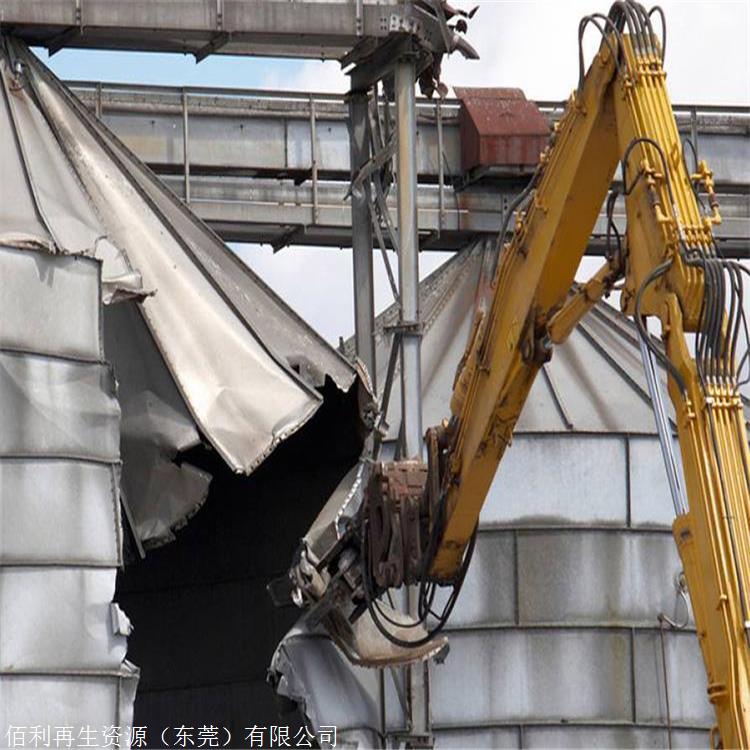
(245,366)
(156,428)
(59,618)
(308,669)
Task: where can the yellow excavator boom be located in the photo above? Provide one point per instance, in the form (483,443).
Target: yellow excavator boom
(672,272)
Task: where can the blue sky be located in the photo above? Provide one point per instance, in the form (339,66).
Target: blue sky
(167,69)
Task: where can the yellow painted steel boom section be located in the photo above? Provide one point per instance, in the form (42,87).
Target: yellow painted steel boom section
(672,272)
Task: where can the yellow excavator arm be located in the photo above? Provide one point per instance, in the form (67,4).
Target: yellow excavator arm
(672,272)
(416,525)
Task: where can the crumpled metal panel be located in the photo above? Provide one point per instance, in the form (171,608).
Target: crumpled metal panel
(27,306)
(156,427)
(516,675)
(246,366)
(309,669)
(48,206)
(72,529)
(58,408)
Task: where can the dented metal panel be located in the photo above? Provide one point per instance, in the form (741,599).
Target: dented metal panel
(62,640)
(58,408)
(58,618)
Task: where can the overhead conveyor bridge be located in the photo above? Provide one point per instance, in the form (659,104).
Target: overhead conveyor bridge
(252,169)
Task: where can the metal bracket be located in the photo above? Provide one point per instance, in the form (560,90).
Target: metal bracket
(287,238)
(61,40)
(219,41)
(406,328)
(380,63)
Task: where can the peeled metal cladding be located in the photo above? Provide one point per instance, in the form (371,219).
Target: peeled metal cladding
(129,334)
(201,347)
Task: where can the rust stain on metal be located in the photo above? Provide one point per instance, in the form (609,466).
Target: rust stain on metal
(499,128)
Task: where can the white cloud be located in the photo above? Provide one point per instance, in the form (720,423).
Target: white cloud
(533,45)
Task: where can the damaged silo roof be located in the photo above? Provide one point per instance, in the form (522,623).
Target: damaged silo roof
(221,356)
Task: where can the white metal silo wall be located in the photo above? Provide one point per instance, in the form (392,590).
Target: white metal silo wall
(554,641)
(62,641)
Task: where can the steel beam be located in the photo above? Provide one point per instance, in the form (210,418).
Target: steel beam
(257,174)
(361,220)
(319,29)
(411,342)
(408,267)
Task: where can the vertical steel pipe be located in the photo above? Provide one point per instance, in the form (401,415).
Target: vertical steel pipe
(408,267)
(364,285)
(186,146)
(314,161)
(411,366)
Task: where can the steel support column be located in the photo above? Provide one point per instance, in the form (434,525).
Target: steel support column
(408,267)
(364,285)
(411,369)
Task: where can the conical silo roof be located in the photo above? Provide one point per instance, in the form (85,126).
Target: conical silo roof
(244,363)
(199,344)
(594,382)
